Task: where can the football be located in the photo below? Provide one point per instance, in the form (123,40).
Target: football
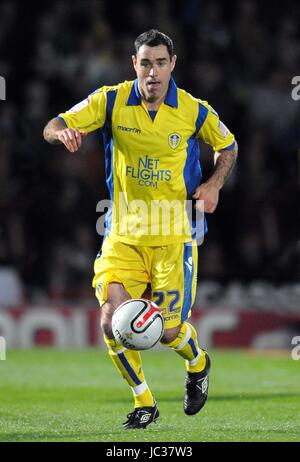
(138,324)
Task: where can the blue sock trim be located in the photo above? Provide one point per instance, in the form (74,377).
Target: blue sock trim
(193,347)
(129,369)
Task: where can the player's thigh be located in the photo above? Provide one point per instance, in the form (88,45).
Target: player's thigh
(119,263)
(174,282)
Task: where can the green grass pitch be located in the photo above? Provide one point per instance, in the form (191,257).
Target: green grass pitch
(50,395)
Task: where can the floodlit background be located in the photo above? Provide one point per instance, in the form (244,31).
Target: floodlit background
(239,56)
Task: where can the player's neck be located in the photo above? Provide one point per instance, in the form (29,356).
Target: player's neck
(152,106)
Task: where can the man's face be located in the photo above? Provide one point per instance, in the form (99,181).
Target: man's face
(153,68)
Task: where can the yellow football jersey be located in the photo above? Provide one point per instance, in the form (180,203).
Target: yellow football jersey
(152,165)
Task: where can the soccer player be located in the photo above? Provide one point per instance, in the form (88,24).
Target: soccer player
(150,129)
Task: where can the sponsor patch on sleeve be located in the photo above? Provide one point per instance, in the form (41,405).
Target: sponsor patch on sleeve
(223,129)
(79,106)
(213,111)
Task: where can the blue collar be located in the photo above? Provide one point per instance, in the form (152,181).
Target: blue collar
(171,99)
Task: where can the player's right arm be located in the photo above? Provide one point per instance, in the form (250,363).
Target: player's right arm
(56,132)
(71,126)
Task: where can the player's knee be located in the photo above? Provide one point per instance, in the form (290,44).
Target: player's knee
(105,321)
(170,335)
(106,328)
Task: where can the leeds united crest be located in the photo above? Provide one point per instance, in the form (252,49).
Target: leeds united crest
(174,140)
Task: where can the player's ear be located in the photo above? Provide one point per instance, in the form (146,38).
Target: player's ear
(134,61)
(173,62)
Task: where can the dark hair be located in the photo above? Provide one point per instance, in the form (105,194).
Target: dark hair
(153,38)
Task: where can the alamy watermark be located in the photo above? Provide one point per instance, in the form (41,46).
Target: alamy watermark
(2,88)
(296,90)
(296,350)
(155,218)
(2,349)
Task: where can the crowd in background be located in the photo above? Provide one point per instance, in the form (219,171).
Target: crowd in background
(239,56)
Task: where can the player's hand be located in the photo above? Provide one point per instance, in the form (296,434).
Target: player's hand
(71,138)
(209,194)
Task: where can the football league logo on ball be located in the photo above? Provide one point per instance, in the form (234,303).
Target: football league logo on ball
(174,140)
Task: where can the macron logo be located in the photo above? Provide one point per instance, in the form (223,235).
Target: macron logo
(129,129)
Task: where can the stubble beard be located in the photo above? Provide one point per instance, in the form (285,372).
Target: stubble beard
(151,99)
(148,97)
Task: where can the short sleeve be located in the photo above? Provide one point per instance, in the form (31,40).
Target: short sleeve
(89,114)
(213,131)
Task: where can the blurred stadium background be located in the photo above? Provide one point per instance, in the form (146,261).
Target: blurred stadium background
(241,57)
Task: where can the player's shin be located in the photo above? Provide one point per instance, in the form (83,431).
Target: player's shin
(186,345)
(129,365)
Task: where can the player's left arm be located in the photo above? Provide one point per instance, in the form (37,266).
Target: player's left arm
(215,133)
(209,191)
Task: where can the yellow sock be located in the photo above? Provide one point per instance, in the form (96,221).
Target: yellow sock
(144,399)
(129,364)
(186,345)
